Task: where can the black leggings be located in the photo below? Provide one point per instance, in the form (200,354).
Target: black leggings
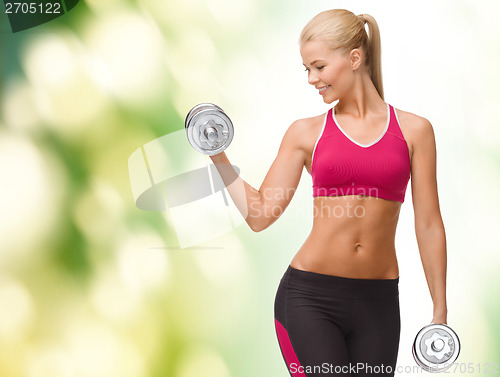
(335,326)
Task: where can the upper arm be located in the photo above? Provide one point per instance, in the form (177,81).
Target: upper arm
(423,175)
(283,177)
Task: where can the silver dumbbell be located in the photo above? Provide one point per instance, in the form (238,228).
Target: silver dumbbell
(209,129)
(436,348)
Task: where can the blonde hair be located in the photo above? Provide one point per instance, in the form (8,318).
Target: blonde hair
(342,29)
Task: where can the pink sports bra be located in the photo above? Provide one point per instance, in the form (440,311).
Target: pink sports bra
(342,166)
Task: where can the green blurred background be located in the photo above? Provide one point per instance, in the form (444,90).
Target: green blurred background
(92,286)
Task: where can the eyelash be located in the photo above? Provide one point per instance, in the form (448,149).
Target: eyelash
(319,68)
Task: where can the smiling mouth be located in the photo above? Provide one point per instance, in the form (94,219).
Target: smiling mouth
(323,89)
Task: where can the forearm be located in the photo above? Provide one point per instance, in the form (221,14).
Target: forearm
(431,241)
(246,198)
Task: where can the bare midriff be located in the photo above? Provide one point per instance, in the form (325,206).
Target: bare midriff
(352,236)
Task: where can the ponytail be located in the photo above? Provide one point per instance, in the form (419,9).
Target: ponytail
(374,52)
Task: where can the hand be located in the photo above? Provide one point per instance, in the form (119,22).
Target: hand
(439,318)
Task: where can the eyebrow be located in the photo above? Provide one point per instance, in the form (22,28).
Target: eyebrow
(314,62)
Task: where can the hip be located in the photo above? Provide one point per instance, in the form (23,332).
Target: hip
(339,286)
(305,294)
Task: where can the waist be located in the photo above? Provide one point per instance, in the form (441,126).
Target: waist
(347,260)
(349,252)
(351,236)
(341,286)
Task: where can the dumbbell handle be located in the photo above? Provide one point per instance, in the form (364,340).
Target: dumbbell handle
(211,133)
(437,345)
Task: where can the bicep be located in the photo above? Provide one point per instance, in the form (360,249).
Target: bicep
(423,176)
(283,176)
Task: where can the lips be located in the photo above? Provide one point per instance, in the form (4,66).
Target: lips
(323,89)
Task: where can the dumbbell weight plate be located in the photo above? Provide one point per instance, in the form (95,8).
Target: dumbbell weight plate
(199,107)
(209,129)
(436,348)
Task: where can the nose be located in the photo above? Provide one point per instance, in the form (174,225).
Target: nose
(312,78)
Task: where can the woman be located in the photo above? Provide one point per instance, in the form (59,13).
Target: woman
(337,305)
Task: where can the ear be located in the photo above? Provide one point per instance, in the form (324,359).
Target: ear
(356,58)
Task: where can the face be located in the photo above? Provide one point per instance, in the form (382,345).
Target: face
(329,71)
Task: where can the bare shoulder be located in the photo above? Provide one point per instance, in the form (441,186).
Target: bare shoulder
(302,129)
(414,128)
(303,133)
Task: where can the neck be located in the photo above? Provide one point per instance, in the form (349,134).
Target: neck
(362,98)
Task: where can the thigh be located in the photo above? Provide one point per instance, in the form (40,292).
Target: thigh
(374,340)
(312,344)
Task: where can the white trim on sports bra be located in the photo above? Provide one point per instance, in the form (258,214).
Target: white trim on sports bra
(319,137)
(373,142)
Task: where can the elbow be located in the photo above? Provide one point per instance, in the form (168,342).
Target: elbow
(262,217)
(258,224)
(256,229)
(431,230)
(432,225)
(256,218)
(429,220)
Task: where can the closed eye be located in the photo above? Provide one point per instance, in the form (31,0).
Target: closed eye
(318,68)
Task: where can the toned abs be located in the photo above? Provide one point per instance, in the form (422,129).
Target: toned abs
(353,235)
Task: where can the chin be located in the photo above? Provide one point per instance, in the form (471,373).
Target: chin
(329,100)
